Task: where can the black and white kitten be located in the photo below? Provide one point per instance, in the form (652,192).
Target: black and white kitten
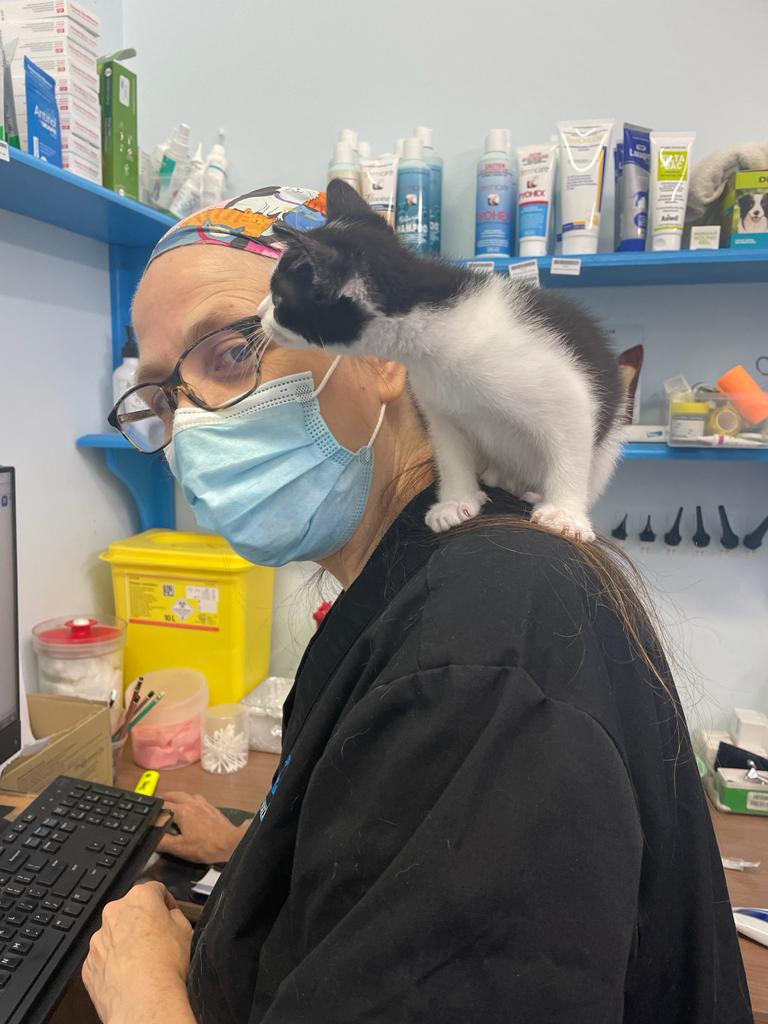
(518,385)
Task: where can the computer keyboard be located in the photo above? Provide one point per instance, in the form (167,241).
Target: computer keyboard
(60,862)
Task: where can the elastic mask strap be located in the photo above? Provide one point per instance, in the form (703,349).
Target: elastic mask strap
(328,376)
(377,428)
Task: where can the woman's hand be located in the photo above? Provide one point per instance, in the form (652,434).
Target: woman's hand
(136,969)
(207,836)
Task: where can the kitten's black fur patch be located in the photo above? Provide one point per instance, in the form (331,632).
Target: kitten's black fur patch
(357,245)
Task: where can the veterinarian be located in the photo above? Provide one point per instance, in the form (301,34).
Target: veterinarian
(487,808)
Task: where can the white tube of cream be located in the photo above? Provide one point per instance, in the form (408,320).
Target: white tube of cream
(670,173)
(379,176)
(536,181)
(583,152)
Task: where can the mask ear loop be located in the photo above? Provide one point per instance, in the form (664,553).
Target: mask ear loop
(328,376)
(377,428)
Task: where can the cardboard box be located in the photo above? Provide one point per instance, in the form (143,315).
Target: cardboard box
(78,744)
(119,128)
(82,165)
(28,10)
(51,33)
(67,85)
(745,211)
(77,119)
(60,64)
(64,52)
(733,793)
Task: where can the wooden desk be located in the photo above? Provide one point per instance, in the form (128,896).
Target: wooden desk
(741,835)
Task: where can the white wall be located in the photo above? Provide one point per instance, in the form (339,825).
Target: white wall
(55,383)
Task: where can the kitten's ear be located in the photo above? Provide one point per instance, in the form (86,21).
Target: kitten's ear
(345,204)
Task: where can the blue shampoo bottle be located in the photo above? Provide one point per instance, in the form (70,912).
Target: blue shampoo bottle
(435,163)
(413,197)
(496,197)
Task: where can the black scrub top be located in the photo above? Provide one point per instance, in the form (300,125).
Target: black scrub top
(487,810)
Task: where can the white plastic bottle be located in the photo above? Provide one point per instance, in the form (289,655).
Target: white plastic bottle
(364,151)
(435,164)
(124,375)
(496,198)
(412,209)
(189,198)
(170,174)
(215,174)
(345,166)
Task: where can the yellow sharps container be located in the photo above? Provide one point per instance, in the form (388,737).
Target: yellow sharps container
(191,602)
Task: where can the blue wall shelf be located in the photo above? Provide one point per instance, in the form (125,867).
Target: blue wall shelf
(662,452)
(35,189)
(50,194)
(620,269)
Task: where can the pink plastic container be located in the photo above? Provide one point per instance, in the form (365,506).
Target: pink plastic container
(170,735)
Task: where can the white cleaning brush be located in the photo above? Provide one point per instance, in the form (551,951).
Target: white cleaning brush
(225,750)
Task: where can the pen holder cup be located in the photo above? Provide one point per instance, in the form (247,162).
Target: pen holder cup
(117,749)
(169,735)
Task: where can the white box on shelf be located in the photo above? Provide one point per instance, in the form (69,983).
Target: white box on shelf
(83,123)
(81,166)
(71,143)
(51,32)
(749,729)
(64,52)
(29,10)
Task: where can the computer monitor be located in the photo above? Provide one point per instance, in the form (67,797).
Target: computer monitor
(10,728)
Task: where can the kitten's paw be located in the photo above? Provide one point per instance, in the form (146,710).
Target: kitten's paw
(565,522)
(444,515)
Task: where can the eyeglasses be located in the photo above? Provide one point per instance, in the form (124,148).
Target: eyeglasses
(218,371)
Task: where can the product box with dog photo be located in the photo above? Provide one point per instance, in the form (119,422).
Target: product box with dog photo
(745,211)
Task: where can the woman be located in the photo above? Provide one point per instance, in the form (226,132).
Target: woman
(487,807)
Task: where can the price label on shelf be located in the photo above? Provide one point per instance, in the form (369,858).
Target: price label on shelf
(563,265)
(4,154)
(526,271)
(481,266)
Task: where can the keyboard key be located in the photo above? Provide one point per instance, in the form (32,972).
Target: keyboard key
(114,851)
(91,797)
(4,879)
(93,819)
(42,831)
(5,977)
(10,837)
(82,806)
(36,863)
(21,946)
(68,881)
(81,897)
(105,862)
(72,909)
(34,893)
(50,847)
(6,932)
(67,826)
(12,860)
(61,811)
(125,805)
(111,823)
(129,826)
(15,919)
(32,843)
(51,904)
(32,931)
(42,917)
(23,879)
(98,809)
(51,873)
(119,815)
(121,840)
(26,906)
(5,902)
(10,961)
(77,815)
(93,879)
(20,827)
(14,889)
(51,823)
(96,847)
(59,837)
(141,810)
(29,818)
(108,801)
(67,802)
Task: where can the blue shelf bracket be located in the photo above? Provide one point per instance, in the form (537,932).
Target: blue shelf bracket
(147,478)
(126,265)
(151,485)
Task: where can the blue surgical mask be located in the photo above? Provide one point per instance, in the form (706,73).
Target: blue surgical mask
(268,474)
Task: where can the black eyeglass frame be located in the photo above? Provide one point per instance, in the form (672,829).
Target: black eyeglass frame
(174,382)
